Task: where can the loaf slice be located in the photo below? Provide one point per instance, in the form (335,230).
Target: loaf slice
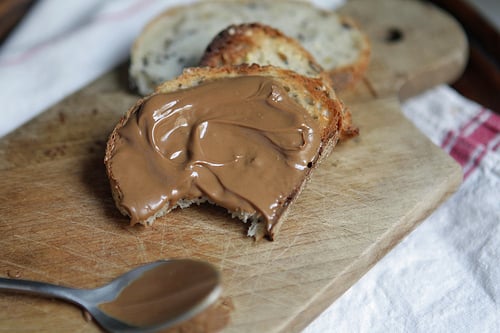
(318,101)
(178,37)
(256,43)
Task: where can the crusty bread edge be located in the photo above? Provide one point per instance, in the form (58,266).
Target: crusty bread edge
(235,34)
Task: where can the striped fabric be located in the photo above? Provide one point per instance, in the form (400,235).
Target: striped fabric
(471,143)
(464,129)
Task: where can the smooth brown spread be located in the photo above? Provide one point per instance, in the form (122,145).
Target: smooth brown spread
(241,142)
(163,293)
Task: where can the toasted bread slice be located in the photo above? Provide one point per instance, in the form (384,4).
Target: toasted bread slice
(314,97)
(178,38)
(256,43)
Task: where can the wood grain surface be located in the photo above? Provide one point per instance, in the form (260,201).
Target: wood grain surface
(58,222)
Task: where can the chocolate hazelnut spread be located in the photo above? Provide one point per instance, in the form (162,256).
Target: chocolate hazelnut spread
(163,293)
(241,142)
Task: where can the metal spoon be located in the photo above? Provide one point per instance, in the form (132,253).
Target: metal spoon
(159,295)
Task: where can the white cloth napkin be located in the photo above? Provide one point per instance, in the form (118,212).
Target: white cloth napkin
(444,277)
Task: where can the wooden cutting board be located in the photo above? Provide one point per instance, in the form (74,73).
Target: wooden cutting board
(58,222)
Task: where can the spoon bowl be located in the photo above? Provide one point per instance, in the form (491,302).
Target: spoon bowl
(149,298)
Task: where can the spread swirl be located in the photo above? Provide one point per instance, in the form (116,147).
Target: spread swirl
(241,142)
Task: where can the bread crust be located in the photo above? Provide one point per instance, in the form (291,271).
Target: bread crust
(317,99)
(234,45)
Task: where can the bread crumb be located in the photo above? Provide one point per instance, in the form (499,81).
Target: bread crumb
(14,275)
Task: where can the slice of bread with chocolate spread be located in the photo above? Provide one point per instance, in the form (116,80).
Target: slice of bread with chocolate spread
(242,137)
(178,38)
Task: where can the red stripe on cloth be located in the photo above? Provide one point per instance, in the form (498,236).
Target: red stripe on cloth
(452,136)
(448,139)
(495,147)
(475,161)
(462,150)
(487,131)
(126,12)
(472,142)
(474,122)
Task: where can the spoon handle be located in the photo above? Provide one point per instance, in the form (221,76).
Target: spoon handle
(41,289)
